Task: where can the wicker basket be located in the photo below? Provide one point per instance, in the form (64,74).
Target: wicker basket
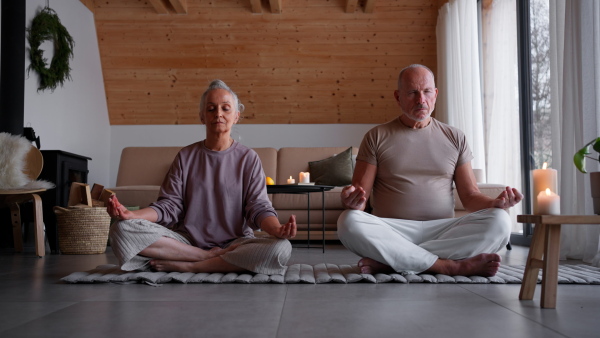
(82,231)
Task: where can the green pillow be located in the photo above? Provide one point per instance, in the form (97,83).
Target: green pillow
(335,170)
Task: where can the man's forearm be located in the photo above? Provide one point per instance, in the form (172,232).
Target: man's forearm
(477,201)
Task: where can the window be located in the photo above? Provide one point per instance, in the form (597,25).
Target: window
(500,92)
(516,94)
(540,82)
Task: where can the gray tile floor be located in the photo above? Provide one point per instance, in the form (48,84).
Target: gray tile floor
(34,303)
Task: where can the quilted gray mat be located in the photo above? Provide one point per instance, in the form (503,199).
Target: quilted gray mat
(323,273)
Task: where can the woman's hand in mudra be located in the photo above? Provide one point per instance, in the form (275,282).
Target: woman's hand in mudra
(117,210)
(272,227)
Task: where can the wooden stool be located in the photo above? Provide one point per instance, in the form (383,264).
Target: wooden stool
(544,254)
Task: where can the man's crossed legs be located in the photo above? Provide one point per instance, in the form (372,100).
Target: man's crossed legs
(457,246)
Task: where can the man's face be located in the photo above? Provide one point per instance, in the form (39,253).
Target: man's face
(416,94)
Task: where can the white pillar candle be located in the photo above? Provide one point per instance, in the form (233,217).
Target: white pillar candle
(543,179)
(304,177)
(548,203)
(291,180)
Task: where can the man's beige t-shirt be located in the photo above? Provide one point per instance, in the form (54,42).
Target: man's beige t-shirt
(415,169)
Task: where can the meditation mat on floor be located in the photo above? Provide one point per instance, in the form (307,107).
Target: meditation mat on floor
(324,273)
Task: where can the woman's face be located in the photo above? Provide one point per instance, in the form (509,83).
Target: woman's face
(220,112)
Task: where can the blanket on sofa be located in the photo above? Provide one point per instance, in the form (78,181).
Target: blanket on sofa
(323,273)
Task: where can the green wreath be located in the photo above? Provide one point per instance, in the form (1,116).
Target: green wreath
(46,26)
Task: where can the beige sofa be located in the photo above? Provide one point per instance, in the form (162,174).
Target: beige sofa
(142,170)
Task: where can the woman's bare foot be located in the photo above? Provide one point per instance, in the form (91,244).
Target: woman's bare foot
(485,265)
(212,265)
(368,265)
(171,266)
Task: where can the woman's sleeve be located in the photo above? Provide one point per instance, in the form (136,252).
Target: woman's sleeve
(170,205)
(257,204)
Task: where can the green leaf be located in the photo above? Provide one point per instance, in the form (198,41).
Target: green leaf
(596,145)
(579,158)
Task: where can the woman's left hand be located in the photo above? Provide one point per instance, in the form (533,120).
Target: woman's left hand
(116,210)
(289,229)
(272,227)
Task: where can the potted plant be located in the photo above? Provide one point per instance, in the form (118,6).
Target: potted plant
(579,161)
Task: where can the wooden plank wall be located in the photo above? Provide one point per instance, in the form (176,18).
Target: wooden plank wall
(311,63)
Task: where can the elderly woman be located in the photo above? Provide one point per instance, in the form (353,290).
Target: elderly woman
(212,198)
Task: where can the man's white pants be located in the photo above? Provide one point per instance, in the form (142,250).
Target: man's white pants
(413,246)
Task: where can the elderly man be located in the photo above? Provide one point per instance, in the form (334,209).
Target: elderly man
(407,167)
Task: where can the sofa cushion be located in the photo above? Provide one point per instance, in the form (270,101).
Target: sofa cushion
(145,165)
(268,159)
(335,170)
(137,195)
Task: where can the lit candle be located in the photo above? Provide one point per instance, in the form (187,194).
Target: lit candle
(548,203)
(291,180)
(304,177)
(543,179)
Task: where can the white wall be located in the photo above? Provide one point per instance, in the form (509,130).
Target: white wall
(73,118)
(252,135)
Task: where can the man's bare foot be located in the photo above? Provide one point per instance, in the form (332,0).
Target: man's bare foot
(485,265)
(371,266)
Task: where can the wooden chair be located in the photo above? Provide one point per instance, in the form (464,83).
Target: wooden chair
(14,197)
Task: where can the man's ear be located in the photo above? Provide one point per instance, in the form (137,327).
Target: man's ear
(397,96)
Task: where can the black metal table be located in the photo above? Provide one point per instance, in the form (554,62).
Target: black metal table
(304,189)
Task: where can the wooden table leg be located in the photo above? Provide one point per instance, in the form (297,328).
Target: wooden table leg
(534,262)
(550,269)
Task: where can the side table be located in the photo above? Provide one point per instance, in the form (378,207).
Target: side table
(544,254)
(304,189)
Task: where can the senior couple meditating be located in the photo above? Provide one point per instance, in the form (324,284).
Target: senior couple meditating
(214,196)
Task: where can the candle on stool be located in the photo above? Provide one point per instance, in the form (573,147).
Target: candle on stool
(304,177)
(291,180)
(543,179)
(548,203)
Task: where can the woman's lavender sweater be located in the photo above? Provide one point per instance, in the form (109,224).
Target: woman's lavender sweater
(213,197)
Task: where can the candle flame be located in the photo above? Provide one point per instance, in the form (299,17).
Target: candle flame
(545,165)
(548,192)
(290,177)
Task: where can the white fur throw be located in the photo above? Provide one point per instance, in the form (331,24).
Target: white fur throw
(13,151)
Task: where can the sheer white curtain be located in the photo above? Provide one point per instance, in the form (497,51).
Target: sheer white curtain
(575,76)
(458,77)
(501,104)
(495,143)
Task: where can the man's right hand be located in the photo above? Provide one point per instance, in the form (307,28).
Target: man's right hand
(354,198)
